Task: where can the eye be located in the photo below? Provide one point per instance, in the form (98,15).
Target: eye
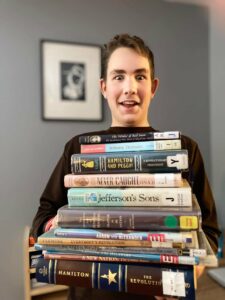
(140,77)
(118,77)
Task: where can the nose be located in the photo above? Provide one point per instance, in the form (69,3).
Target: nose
(130,86)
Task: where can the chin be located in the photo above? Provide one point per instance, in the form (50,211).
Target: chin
(130,123)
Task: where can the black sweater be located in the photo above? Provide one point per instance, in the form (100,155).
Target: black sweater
(55,194)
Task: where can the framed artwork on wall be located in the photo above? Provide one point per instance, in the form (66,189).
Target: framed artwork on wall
(70,81)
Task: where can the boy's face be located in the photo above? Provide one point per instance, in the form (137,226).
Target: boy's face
(128,88)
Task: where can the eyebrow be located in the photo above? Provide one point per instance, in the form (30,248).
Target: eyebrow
(121,71)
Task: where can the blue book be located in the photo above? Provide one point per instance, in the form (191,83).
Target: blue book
(152,280)
(157,236)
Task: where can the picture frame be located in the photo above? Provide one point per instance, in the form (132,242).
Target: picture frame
(70,81)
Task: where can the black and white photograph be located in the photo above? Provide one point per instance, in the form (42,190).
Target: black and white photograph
(70,81)
(73,81)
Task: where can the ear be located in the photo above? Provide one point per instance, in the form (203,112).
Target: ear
(155,84)
(103,87)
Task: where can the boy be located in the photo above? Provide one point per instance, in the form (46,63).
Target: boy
(128,83)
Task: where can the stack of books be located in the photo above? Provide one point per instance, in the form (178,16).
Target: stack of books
(132,222)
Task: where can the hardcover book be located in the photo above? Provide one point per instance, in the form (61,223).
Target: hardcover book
(189,237)
(132,146)
(129,137)
(152,280)
(151,257)
(98,250)
(169,161)
(49,238)
(116,252)
(124,180)
(165,196)
(131,218)
(81,257)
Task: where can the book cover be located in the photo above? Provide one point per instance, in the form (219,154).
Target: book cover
(132,146)
(124,180)
(131,218)
(169,161)
(165,196)
(161,280)
(128,137)
(210,259)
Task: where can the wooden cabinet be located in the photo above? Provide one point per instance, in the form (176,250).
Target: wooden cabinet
(29,272)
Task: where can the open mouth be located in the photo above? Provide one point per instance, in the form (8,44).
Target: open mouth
(129,103)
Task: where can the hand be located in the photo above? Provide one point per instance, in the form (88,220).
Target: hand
(55,222)
(51,224)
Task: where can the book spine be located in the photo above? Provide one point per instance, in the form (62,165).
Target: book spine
(97,258)
(101,242)
(176,237)
(107,251)
(169,161)
(127,250)
(152,258)
(129,219)
(130,196)
(129,137)
(132,146)
(123,180)
(89,258)
(151,280)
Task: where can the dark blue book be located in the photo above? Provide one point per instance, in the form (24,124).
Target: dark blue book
(152,280)
(128,137)
(167,161)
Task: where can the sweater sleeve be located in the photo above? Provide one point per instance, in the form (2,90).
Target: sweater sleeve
(53,197)
(202,190)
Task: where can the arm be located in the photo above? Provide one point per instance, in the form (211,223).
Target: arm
(53,197)
(201,188)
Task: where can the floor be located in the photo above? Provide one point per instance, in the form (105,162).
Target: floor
(208,289)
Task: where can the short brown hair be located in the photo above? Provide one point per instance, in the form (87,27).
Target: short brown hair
(128,41)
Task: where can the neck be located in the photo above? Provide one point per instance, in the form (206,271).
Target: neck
(144,124)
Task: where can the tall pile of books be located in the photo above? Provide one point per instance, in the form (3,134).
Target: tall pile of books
(132,223)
